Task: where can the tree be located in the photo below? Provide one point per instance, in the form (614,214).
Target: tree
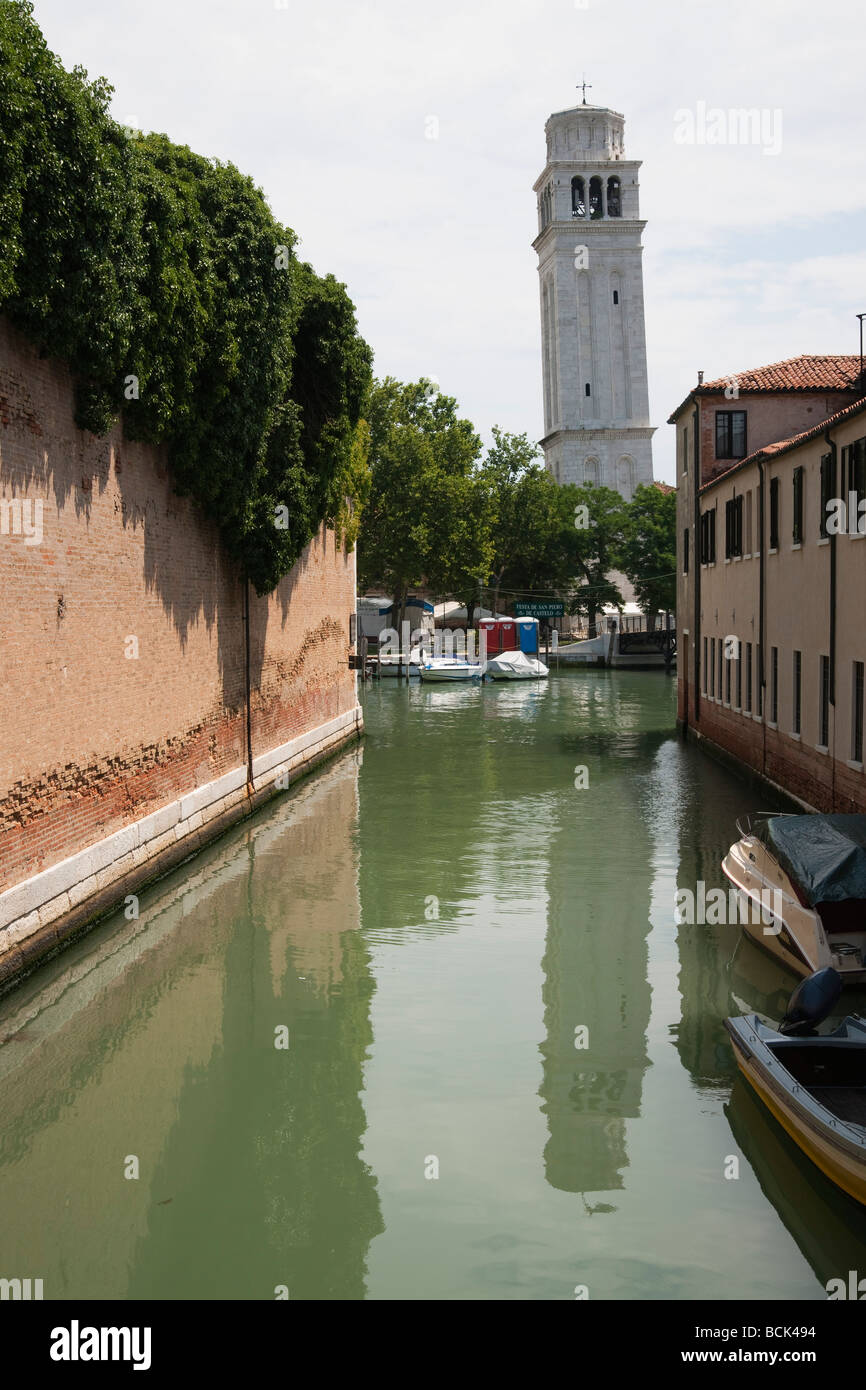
(649,548)
(425,519)
(593,521)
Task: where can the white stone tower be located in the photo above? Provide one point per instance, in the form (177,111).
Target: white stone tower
(596,405)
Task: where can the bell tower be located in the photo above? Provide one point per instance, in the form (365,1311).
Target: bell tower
(593,340)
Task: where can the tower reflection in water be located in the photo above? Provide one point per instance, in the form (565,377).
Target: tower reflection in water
(595,964)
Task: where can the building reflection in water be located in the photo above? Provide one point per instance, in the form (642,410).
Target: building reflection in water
(595,963)
(157,1039)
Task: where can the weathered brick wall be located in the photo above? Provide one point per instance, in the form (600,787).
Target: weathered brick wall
(122,641)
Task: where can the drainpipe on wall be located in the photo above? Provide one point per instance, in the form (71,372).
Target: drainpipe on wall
(250,787)
(832,447)
(762,686)
(696,568)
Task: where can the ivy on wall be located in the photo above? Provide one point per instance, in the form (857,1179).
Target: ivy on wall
(164,281)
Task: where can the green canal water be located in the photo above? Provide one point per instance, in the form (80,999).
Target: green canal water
(428,923)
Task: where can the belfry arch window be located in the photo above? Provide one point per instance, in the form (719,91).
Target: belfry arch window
(614,197)
(578,197)
(590,472)
(595,208)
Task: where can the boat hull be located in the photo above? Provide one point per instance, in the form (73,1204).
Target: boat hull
(776,920)
(840,1158)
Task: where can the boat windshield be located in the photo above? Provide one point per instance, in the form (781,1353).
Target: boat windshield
(754,824)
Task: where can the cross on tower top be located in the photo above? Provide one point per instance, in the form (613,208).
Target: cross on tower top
(582,86)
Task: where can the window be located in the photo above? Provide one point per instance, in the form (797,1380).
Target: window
(798,687)
(708,537)
(685,438)
(739,704)
(712,666)
(824,703)
(686,550)
(586,390)
(616,296)
(774,685)
(797,528)
(595,209)
(749,677)
(721,667)
(854,484)
(774,513)
(759,681)
(704,669)
(747,540)
(578,200)
(614,198)
(857,714)
(730,434)
(728,664)
(828,488)
(734,528)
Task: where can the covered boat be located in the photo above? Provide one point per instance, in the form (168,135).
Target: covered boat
(804,877)
(815,1086)
(516,666)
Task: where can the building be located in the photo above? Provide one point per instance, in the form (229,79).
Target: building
(771,640)
(596,407)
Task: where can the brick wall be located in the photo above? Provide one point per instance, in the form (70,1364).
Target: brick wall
(122,637)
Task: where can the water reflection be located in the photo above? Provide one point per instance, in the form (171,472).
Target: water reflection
(156,1042)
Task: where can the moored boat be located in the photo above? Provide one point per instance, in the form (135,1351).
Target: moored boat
(443,669)
(804,877)
(815,1086)
(516,666)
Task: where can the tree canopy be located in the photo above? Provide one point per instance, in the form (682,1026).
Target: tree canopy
(164,281)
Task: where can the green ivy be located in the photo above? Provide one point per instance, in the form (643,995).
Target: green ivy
(158,276)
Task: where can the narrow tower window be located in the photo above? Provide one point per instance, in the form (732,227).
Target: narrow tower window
(578,197)
(595,209)
(586,390)
(614,200)
(616,296)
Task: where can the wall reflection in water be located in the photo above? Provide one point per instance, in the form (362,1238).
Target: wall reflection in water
(155,1039)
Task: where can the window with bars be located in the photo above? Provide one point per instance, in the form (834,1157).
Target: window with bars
(739,704)
(721,667)
(708,537)
(824,703)
(712,666)
(797,525)
(857,713)
(704,669)
(730,434)
(759,681)
(748,677)
(798,692)
(774,513)
(734,528)
(828,488)
(728,664)
(774,685)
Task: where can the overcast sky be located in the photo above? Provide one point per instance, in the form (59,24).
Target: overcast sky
(749,257)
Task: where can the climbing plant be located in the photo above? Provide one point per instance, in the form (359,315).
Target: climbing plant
(164,281)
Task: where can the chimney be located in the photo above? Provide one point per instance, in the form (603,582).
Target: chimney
(700,378)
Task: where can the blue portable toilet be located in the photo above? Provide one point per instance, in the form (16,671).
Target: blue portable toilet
(528,634)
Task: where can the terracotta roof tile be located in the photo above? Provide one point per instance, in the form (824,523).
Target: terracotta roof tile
(805,373)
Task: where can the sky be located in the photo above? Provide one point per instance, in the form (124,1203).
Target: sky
(754,250)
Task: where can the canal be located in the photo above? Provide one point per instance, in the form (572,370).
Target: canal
(426,1028)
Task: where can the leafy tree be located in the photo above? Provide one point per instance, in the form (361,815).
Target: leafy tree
(166,284)
(593,520)
(649,548)
(424,520)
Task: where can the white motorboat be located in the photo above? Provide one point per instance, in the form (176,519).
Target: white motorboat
(402,666)
(805,880)
(516,666)
(449,668)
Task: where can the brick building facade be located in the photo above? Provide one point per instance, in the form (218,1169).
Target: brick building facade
(137,718)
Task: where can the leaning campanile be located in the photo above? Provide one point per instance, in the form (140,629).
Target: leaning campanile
(593,341)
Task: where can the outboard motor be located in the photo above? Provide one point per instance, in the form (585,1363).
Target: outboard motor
(811,1002)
